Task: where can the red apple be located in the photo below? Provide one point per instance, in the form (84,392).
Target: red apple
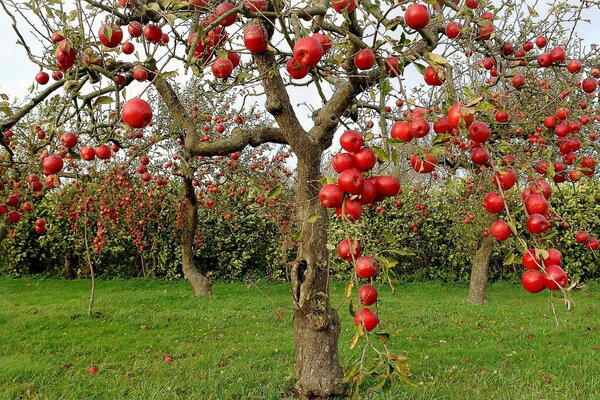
(110,35)
(416,16)
(366,318)
(367,295)
(366,267)
(349,249)
(137,113)
(533,281)
(331,196)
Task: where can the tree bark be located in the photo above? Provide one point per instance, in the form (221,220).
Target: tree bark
(316,325)
(480,271)
(199,282)
(68,264)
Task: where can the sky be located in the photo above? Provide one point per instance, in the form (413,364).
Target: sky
(16,72)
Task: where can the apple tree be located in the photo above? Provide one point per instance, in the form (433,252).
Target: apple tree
(314,68)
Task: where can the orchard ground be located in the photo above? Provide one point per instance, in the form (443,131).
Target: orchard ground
(238,343)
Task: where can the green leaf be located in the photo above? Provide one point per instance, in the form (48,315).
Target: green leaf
(437,59)
(532,11)
(104,100)
(380,154)
(273,193)
(509,259)
(348,289)
(420,67)
(313,218)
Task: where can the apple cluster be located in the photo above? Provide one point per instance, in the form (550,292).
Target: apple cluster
(347,197)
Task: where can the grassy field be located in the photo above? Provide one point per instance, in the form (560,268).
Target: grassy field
(238,344)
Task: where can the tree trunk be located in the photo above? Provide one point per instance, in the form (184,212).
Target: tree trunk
(199,282)
(316,325)
(480,270)
(68,265)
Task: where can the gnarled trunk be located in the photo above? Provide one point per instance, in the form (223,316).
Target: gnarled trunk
(199,282)
(316,325)
(480,271)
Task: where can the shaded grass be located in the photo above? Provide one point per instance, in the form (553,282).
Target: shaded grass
(239,345)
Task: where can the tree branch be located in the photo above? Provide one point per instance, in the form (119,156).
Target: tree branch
(239,139)
(24,110)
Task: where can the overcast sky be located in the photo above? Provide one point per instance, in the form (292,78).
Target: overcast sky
(16,72)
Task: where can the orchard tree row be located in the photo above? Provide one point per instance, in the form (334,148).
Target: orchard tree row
(508,96)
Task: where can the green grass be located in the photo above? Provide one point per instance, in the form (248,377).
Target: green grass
(234,346)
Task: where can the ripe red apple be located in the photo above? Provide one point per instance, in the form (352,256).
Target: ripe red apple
(544,60)
(308,51)
(416,16)
(537,223)
(222,68)
(530,260)
(168,358)
(364,159)
(223,8)
(433,78)
(364,59)
(366,318)
(110,35)
(473,4)
(506,179)
(255,38)
(135,29)
(401,130)
(423,164)
(140,74)
(349,249)
(102,152)
(351,181)
(555,277)
(541,41)
(536,204)
(369,192)
(386,186)
(366,266)
(324,40)
(480,155)
(592,244)
(351,141)
(554,257)
(558,54)
(391,67)
(367,295)
(153,33)
(296,70)
(453,30)
(257,6)
(574,66)
(68,139)
(137,113)
(52,165)
(518,81)
(493,203)
(533,281)
(582,236)
(342,162)
(128,48)
(500,230)
(12,201)
(589,85)
(128,3)
(42,77)
(331,196)
(343,6)
(93,370)
(13,217)
(87,153)
(419,127)
(351,209)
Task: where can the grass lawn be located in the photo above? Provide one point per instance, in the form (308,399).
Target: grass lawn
(238,345)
